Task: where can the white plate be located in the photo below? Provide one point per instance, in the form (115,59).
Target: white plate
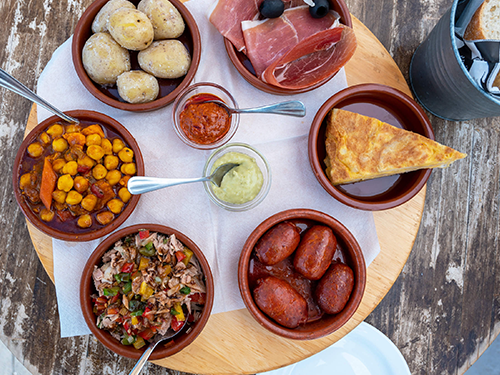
(364,351)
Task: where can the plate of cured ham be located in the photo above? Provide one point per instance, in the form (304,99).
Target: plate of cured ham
(290,54)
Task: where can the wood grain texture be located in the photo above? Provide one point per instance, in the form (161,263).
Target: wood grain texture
(239,325)
(443,310)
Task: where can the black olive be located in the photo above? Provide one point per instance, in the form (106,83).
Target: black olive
(271,8)
(320,9)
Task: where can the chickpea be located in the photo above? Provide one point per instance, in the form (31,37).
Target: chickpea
(93,139)
(81,184)
(95,152)
(46,215)
(58,164)
(111,162)
(86,162)
(25,180)
(84,221)
(115,206)
(106,146)
(44,138)
(93,129)
(59,196)
(55,130)
(71,168)
(59,144)
(118,145)
(126,155)
(35,150)
(124,180)
(89,202)
(73,128)
(113,177)
(105,217)
(128,168)
(65,183)
(73,197)
(124,194)
(99,172)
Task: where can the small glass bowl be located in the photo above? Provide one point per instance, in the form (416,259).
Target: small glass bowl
(261,163)
(205,88)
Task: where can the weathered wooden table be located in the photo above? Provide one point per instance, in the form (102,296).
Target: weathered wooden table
(443,310)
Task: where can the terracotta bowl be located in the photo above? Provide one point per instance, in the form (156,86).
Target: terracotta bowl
(351,254)
(87,289)
(388,105)
(87,117)
(169,88)
(245,68)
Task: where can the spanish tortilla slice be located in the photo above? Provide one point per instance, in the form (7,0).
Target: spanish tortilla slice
(361,148)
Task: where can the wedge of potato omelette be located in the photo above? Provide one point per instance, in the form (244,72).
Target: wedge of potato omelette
(361,148)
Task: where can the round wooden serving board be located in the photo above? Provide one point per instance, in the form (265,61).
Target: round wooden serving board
(232,342)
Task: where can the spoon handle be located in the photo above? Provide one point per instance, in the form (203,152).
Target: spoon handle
(290,108)
(142,361)
(140,184)
(12,84)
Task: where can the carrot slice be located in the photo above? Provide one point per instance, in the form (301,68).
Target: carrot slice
(48,184)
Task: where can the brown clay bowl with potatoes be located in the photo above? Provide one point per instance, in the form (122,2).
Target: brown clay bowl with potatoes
(301,274)
(386,104)
(104,86)
(140,315)
(70,180)
(243,65)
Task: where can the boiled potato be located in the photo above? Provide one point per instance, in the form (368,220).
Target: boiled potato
(100,23)
(104,59)
(131,29)
(137,86)
(165,59)
(166,19)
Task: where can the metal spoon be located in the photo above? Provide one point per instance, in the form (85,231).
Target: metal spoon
(12,84)
(145,356)
(290,108)
(140,184)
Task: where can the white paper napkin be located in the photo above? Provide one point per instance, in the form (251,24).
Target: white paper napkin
(219,233)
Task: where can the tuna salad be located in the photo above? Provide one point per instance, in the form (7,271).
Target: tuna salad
(146,284)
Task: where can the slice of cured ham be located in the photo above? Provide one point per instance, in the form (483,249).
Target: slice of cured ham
(227,16)
(268,40)
(313,60)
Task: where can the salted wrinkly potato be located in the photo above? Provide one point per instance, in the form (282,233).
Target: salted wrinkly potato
(165,59)
(166,19)
(131,28)
(100,23)
(104,59)
(137,87)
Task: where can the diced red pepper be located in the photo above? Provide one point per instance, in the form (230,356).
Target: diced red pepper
(83,169)
(101,300)
(198,298)
(180,256)
(97,191)
(147,314)
(127,267)
(143,234)
(115,299)
(176,325)
(113,311)
(127,326)
(146,334)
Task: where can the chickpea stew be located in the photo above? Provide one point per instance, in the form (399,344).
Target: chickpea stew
(74,177)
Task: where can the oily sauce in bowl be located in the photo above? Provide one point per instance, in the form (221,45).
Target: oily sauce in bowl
(204,123)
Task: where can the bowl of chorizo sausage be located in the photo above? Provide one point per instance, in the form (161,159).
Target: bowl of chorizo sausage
(301,274)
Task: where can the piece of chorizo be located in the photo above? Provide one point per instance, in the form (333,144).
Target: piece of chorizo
(315,252)
(334,289)
(277,299)
(277,243)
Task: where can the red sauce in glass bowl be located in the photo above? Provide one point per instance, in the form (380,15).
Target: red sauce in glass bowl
(204,123)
